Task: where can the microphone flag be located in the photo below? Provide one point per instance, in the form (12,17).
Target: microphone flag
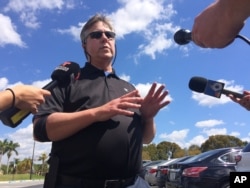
(214,88)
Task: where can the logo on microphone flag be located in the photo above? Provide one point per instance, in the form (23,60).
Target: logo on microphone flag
(214,88)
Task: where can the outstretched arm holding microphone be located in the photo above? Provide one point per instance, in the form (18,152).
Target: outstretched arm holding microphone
(25,97)
(218,24)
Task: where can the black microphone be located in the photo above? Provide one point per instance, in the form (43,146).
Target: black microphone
(62,74)
(210,87)
(183,36)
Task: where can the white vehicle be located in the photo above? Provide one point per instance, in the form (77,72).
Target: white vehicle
(150,175)
(243,159)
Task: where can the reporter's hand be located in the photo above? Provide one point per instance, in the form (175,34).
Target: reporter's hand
(217,26)
(29,97)
(244,102)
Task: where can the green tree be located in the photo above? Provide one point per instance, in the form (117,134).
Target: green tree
(168,150)
(193,150)
(145,155)
(11,147)
(152,151)
(221,141)
(3,150)
(24,166)
(43,157)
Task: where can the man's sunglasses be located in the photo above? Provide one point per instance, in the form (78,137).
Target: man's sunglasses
(98,34)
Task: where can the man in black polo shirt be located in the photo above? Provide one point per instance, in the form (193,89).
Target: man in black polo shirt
(98,123)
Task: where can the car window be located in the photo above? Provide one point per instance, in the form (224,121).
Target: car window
(246,148)
(228,157)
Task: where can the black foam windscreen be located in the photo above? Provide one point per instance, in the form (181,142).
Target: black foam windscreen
(63,72)
(197,84)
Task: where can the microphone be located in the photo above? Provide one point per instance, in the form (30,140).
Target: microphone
(62,74)
(183,36)
(210,87)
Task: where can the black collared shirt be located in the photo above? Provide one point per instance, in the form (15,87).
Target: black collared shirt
(110,149)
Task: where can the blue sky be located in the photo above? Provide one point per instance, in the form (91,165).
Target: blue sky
(38,35)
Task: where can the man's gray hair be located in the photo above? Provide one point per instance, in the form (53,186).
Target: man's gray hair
(94,19)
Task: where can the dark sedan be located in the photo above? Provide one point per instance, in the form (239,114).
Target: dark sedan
(210,169)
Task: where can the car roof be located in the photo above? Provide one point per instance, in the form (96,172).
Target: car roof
(210,153)
(166,162)
(153,163)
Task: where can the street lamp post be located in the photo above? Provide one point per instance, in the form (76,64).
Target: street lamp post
(31,166)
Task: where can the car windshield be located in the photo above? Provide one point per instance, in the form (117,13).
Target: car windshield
(246,148)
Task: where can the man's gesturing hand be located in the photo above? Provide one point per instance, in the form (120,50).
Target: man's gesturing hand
(119,106)
(153,102)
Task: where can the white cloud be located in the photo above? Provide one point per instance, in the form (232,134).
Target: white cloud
(159,44)
(73,31)
(134,17)
(209,123)
(3,83)
(125,77)
(144,88)
(241,124)
(177,137)
(41,83)
(24,137)
(29,9)
(197,140)
(153,25)
(236,134)
(211,132)
(8,34)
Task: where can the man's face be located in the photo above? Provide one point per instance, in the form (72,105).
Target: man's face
(100,45)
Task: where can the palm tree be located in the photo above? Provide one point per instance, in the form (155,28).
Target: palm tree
(3,150)
(43,158)
(10,149)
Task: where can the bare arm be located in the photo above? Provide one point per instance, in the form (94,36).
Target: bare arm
(218,24)
(6,99)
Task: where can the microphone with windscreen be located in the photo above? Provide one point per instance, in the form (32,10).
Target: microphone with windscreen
(210,87)
(183,36)
(60,76)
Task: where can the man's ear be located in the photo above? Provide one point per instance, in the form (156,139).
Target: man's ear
(84,45)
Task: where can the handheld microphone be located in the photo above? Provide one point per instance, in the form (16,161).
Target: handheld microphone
(12,117)
(183,36)
(210,87)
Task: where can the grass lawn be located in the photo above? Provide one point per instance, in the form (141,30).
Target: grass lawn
(11,177)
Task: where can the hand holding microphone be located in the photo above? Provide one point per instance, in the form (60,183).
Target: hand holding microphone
(61,76)
(215,89)
(211,87)
(184,36)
